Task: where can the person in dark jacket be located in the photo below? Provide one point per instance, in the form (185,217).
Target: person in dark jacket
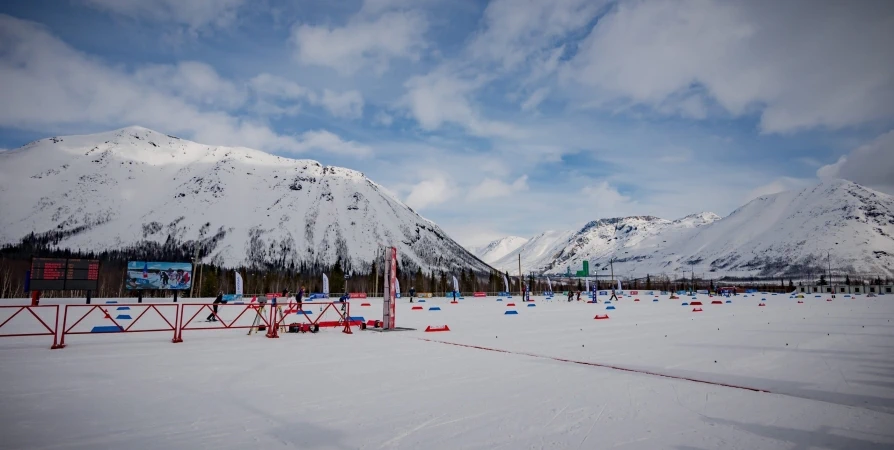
(299,296)
(412,293)
(213,316)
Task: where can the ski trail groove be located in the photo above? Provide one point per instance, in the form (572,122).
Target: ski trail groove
(605,366)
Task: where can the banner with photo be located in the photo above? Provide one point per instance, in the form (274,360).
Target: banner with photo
(148,275)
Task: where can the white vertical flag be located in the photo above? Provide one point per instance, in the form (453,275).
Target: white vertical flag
(549,284)
(397,287)
(239,287)
(505,283)
(588,284)
(455,284)
(325,284)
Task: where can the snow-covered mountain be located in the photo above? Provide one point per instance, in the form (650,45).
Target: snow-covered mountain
(785,234)
(498,248)
(134,187)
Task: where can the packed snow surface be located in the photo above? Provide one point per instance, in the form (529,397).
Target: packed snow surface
(654,375)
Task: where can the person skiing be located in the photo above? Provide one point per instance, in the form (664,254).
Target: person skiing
(344,300)
(578,295)
(213,316)
(412,293)
(570,295)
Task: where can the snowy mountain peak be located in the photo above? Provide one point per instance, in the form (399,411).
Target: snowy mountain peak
(499,248)
(784,234)
(135,188)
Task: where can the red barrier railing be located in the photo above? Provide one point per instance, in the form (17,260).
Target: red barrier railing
(116,326)
(261,316)
(50,331)
(343,318)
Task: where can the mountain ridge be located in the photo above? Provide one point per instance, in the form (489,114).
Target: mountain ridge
(782,234)
(242,207)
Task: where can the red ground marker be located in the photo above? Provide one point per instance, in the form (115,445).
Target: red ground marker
(431,329)
(601,316)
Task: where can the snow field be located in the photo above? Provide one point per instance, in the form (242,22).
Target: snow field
(831,386)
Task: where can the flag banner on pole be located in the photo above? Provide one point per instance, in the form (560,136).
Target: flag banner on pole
(505,284)
(397,287)
(325,284)
(588,285)
(239,286)
(549,285)
(455,284)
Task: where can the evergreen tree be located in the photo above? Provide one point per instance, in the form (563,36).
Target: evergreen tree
(822,280)
(648,283)
(847,280)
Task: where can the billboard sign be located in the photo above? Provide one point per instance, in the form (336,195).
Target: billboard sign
(56,274)
(148,275)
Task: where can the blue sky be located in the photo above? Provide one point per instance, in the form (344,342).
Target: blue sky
(490,118)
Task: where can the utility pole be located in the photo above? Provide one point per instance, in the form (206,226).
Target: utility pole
(521,278)
(829,259)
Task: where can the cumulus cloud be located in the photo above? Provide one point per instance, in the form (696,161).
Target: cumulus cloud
(365,41)
(602,195)
(48,85)
(871,165)
(442,97)
(799,64)
(343,104)
(193,81)
(493,188)
(431,191)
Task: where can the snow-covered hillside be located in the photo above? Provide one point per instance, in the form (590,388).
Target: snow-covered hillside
(785,234)
(498,248)
(136,187)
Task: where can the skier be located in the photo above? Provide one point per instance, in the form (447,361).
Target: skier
(213,316)
(344,300)
(412,293)
(578,295)
(570,295)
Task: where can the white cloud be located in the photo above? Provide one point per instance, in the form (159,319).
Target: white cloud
(778,185)
(329,142)
(603,196)
(193,81)
(492,188)
(535,99)
(514,30)
(49,86)
(383,118)
(345,104)
(363,42)
(192,14)
(747,57)
(431,191)
(871,165)
(443,97)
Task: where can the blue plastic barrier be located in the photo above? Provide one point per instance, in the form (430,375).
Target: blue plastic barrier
(123,317)
(729,301)
(110,302)
(531,305)
(421,301)
(511,312)
(357,318)
(610,307)
(106,329)
(654,300)
(123,308)
(434,308)
(685,304)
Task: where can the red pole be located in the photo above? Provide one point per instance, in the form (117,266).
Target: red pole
(178,318)
(56,331)
(35,298)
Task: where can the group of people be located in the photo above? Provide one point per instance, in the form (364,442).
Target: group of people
(299,298)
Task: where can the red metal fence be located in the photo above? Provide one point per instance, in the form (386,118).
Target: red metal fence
(113,318)
(17,310)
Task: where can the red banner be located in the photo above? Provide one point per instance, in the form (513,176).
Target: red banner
(480,294)
(357,295)
(634,292)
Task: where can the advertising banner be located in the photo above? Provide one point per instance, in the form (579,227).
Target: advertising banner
(147,275)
